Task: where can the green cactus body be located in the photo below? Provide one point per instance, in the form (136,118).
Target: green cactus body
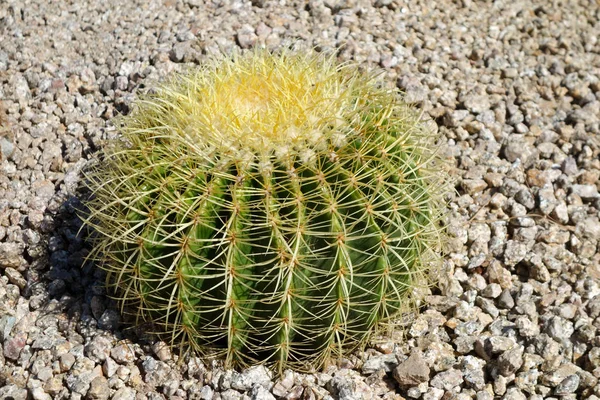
(271,208)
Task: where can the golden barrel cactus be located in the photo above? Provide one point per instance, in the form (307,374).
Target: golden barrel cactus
(268,208)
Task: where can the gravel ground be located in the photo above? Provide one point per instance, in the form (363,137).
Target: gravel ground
(515,90)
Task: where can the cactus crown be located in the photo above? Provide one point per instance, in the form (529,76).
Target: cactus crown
(269,208)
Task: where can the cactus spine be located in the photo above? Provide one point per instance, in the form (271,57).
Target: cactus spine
(268,208)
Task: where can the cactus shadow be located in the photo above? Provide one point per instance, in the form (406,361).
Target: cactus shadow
(63,285)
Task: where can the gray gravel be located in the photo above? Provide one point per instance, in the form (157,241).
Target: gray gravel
(514,87)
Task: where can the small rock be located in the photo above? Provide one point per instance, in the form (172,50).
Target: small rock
(493,179)
(109,320)
(487,306)
(586,192)
(385,362)
(206,393)
(44,374)
(124,393)
(121,83)
(230,394)
(538,178)
(285,383)
(123,353)
(433,393)
(554,235)
(109,367)
(258,392)
(98,348)
(472,370)
(498,201)
(10,255)
(254,375)
(492,291)
(568,385)
(6,147)
(162,351)
(452,119)
(414,392)
(473,186)
(414,90)
(66,361)
(440,356)
(525,197)
(347,385)
(54,385)
(196,368)
(514,393)
(554,378)
(527,328)
(498,344)
(412,371)
(510,361)
(479,232)
(506,300)
(246,37)
(13,392)
(514,252)
(510,73)
(419,327)
(518,149)
(20,87)
(476,103)
(589,228)
(99,389)
(297,392)
(155,372)
(44,342)
(127,68)
(547,200)
(559,328)
(447,380)
(477,261)
(14,345)
(38,393)
(499,385)
(500,275)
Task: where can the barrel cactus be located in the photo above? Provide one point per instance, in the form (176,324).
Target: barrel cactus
(273,208)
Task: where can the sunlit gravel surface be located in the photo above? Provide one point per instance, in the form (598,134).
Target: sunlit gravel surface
(514,87)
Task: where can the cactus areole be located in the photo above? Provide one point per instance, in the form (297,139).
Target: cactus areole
(267,208)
